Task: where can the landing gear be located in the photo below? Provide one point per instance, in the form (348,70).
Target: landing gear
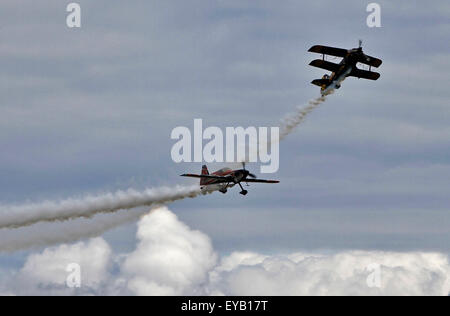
(224,189)
(243,192)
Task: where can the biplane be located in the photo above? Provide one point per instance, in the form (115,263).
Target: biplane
(226,178)
(346,68)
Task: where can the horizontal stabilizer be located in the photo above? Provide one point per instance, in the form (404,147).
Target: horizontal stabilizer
(319,63)
(365,74)
(326,50)
(260,181)
(320,82)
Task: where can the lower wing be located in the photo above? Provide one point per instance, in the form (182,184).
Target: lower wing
(204,176)
(364,74)
(319,63)
(371,61)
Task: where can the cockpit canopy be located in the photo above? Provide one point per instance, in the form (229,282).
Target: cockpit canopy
(223,170)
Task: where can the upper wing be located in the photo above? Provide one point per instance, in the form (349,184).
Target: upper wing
(371,61)
(326,50)
(261,181)
(225,179)
(365,74)
(324,65)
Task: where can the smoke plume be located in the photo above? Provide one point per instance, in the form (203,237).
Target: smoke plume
(290,122)
(76,211)
(49,234)
(49,211)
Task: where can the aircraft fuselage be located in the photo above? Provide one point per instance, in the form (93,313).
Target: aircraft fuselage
(347,64)
(216,185)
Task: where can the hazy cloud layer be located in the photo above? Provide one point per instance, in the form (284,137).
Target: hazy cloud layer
(172,259)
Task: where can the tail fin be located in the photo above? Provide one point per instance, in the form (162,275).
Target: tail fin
(204,172)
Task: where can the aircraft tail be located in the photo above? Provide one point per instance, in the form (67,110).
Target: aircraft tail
(204,172)
(320,82)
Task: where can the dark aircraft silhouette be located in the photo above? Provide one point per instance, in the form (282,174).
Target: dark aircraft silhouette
(346,68)
(226,178)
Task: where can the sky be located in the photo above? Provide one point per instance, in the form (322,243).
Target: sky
(87,111)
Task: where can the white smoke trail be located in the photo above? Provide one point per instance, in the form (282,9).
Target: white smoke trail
(76,211)
(25,215)
(290,122)
(293,120)
(49,234)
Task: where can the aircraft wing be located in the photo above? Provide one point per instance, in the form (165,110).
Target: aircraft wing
(260,181)
(319,63)
(326,50)
(364,74)
(204,176)
(371,61)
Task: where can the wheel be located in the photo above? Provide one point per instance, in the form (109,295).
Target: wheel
(244,192)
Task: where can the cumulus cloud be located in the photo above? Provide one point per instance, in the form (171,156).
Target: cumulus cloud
(172,259)
(346,273)
(47,273)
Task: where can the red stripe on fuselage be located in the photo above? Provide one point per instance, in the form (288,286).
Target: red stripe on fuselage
(220,174)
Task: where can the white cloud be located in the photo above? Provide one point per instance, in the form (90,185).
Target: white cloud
(45,273)
(172,259)
(50,265)
(343,273)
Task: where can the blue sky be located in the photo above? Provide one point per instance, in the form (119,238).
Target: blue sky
(90,110)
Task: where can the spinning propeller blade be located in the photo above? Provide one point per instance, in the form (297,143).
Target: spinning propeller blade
(251,175)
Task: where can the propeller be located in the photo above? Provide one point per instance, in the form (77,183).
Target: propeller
(360,48)
(251,175)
